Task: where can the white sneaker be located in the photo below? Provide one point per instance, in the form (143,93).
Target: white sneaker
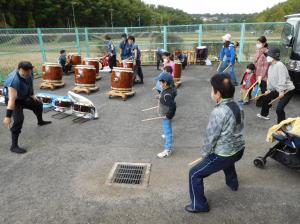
(263,117)
(164,154)
(163,136)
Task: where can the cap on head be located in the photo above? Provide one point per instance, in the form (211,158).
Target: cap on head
(226,37)
(25,65)
(165,76)
(274,53)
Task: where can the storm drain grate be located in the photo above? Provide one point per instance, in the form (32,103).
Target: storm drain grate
(130,174)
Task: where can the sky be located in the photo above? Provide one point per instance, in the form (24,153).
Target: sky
(217,6)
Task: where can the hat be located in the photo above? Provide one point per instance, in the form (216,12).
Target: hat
(226,37)
(164,76)
(274,53)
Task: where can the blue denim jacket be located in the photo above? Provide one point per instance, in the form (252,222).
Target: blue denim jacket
(223,135)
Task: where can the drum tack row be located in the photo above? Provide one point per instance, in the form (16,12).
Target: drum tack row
(86,72)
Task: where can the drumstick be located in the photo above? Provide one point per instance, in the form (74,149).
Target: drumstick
(195,161)
(219,66)
(277,98)
(249,90)
(227,68)
(153,118)
(151,108)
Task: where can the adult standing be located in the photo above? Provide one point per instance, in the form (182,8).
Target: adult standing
(111,52)
(261,64)
(279,85)
(136,57)
(227,58)
(125,51)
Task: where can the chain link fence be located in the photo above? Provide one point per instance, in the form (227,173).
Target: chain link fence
(43,44)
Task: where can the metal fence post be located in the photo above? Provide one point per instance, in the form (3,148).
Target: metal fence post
(242,42)
(126,30)
(77,41)
(165,38)
(200,35)
(87,45)
(41,44)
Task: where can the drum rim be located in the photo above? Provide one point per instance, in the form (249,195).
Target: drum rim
(85,66)
(90,59)
(63,100)
(51,64)
(121,69)
(202,47)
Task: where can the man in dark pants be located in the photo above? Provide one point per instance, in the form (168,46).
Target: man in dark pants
(19,95)
(223,143)
(159,58)
(279,85)
(112,61)
(136,58)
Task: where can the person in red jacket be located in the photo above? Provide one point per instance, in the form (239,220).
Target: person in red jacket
(248,80)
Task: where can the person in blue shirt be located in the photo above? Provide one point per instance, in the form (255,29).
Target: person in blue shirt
(159,57)
(65,64)
(227,58)
(125,51)
(112,61)
(19,95)
(183,58)
(136,58)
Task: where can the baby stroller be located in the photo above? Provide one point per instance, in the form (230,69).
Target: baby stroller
(286,151)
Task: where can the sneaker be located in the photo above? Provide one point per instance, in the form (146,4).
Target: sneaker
(245,103)
(262,117)
(163,136)
(164,154)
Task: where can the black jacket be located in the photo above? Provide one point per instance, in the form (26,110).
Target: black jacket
(167,105)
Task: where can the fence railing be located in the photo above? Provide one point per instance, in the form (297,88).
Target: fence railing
(43,44)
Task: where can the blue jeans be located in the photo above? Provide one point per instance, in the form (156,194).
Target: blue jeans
(209,165)
(231,72)
(167,130)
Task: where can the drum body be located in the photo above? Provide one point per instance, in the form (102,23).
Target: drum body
(82,108)
(122,79)
(177,71)
(52,72)
(201,53)
(93,62)
(75,59)
(63,103)
(45,99)
(85,75)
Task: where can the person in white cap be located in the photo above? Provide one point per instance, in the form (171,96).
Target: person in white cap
(227,58)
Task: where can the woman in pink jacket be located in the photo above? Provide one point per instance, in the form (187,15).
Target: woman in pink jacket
(261,64)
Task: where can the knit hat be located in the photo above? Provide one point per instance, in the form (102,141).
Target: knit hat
(165,76)
(274,53)
(226,37)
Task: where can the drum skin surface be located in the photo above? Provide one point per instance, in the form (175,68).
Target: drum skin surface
(52,72)
(85,75)
(122,79)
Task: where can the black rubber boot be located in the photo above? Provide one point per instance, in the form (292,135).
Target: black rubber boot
(14,146)
(42,123)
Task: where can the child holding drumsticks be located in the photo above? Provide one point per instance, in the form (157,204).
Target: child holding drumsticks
(247,82)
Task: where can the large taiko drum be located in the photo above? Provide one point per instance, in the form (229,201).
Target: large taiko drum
(85,75)
(177,71)
(52,73)
(75,59)
(93,62)
(122,79)
(201,54)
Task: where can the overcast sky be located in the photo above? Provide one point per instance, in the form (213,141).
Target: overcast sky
(217,6)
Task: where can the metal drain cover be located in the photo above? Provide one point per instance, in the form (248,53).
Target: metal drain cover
(129,175)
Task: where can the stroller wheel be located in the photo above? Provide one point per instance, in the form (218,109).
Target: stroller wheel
(259,162)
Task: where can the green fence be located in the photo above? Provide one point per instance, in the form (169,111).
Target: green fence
(43,44)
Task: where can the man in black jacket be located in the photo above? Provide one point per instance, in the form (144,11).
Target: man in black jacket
(167,109)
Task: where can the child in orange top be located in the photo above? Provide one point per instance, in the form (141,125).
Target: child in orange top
(247,81)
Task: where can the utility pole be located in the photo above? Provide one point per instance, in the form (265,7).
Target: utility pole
(73,15)
(111,17)
(139,15)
